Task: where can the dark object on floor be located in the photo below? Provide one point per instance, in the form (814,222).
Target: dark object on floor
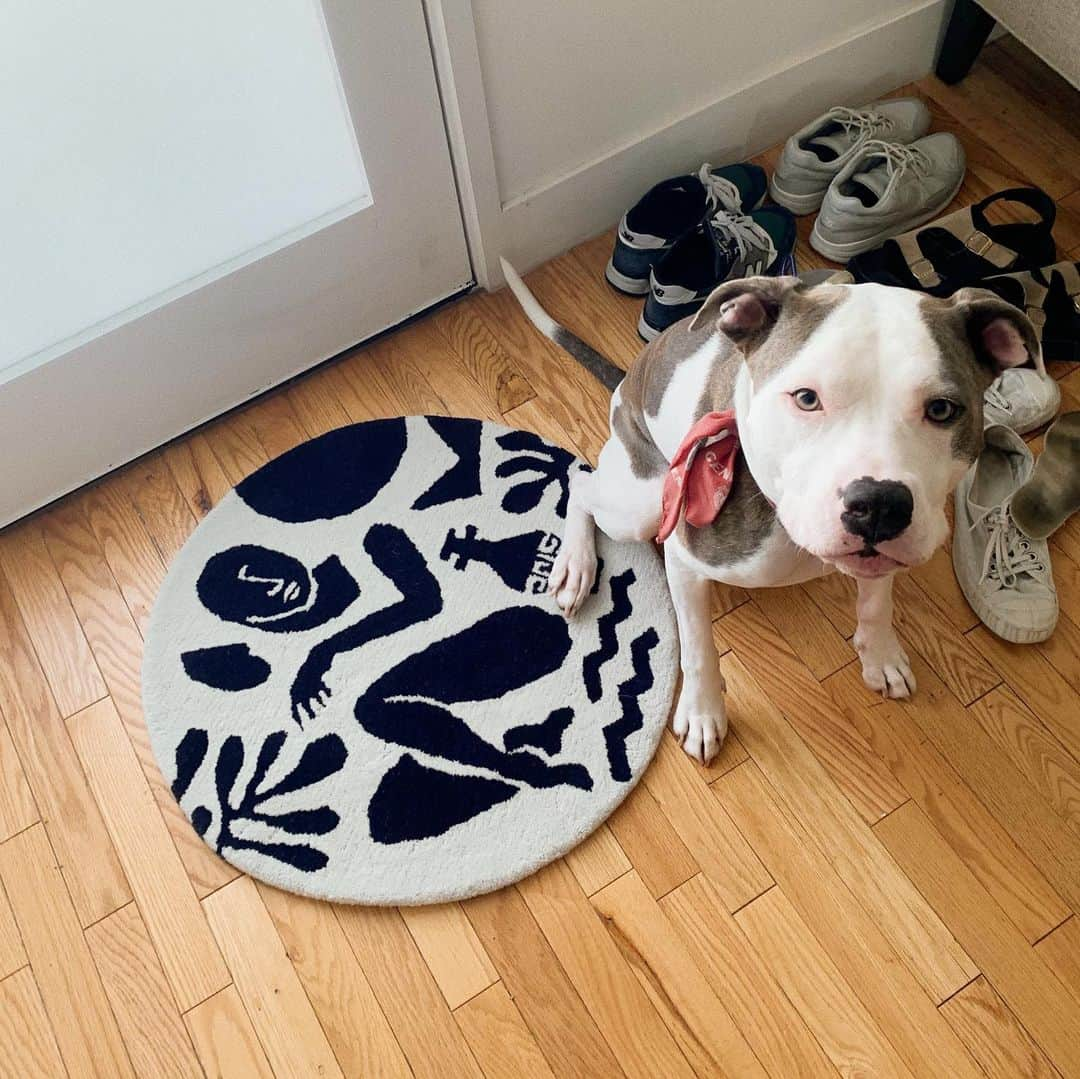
(969,27)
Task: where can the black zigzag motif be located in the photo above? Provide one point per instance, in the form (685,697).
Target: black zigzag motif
(608,624)
(630,691)
(462,478)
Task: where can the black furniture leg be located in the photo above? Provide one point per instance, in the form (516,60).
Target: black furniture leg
(969,26)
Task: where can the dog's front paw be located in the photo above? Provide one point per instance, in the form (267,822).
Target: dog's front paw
(572,576)
(886,668)
(700,722)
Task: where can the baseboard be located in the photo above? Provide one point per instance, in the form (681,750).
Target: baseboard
(546,222)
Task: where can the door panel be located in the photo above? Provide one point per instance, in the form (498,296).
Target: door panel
(319,223)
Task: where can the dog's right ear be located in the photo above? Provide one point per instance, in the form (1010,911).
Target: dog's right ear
(745,310)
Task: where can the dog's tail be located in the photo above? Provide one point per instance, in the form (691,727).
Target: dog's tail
(594,362)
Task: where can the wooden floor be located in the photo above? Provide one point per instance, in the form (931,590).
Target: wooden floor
(856,887)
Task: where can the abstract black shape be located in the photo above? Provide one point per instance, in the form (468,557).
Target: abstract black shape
(599,576)
(396,557)
(190,753)
(414,802)
(608,624)
(551,463)
(462,479)
(266,589)
(630,691)
(318,761)
(523,562)
(230,667)
(546,735)
(329,476)
(496,655)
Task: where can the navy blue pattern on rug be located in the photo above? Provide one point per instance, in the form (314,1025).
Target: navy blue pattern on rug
(358,687)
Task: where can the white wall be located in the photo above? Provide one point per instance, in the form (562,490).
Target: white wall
(589,102)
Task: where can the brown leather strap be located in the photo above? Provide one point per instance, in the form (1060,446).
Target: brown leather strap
(962,225)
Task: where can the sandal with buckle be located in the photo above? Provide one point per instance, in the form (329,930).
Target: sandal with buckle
(1050,297)
(963,247)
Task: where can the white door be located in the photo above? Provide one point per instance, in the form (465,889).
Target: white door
(198,201)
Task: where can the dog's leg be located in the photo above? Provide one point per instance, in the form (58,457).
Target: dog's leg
(885,665)
(574,570)
(700,721)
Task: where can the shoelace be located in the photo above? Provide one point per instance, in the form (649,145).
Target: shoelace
(746,233)
(995,395)
(861,121)
(899,158)
(1008,554)
(720,193)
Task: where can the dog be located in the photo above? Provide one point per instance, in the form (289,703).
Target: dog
(858,410)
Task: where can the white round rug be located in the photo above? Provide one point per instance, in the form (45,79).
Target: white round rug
(358,688)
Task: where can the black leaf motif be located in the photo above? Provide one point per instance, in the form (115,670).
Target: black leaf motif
(320,759)
(190,754)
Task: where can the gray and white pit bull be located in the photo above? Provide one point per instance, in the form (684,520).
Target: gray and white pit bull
(859,407)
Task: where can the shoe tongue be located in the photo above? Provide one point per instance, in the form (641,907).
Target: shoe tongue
(875,180)
(837,142)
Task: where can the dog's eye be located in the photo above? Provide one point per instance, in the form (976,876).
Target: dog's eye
(807,400)
(942,410)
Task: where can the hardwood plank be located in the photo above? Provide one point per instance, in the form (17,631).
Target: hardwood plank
(142,1002)
(651,843)
(597,860)
(972,830)
(1062,649)
(317,403)
(161,505)
(912,928)
(385,381)
(344,1002)
(117,646)
(600,973)
(236,446)
(17,807)
(723,854)
(225,1040)
(812,638)
(852,937)
(1037,684)
(192,962)
(834,595)
(12,954)
(50,622)
(744,981)
(697,1020)
(1060,951)
(937,579)
(1043,836)
(983,1022)
(491,366)
(1016,971)
(431,1040)
(848,1034)
(499,1038)
(846,757)
(451,950)
(71,990)
(538,985)
(52,770)
(283,1018)
(197,472)
(943,646)
(28,1049)
(1048,768)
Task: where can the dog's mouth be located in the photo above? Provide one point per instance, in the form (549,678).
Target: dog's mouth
(868,562)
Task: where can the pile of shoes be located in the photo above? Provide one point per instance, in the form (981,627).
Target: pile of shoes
(878,181)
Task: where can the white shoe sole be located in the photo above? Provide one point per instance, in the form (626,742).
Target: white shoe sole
(841,252)
(645,331)
(797,204)
(1005,630)
(632,286)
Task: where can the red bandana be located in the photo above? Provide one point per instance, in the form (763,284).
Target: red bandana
(701,473)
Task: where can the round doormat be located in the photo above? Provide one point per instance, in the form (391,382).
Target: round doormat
(358,688)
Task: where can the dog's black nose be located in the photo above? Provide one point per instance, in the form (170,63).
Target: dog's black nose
(876,510)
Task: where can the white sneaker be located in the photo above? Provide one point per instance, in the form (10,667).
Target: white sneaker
(1004,575)
(1022,399)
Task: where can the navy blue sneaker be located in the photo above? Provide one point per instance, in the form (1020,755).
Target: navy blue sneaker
(723,247)
(670,210)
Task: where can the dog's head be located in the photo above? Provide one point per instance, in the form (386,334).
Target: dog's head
(861,406)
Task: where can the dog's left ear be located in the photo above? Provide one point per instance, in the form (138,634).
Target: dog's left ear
(746,309)
(1001,335)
